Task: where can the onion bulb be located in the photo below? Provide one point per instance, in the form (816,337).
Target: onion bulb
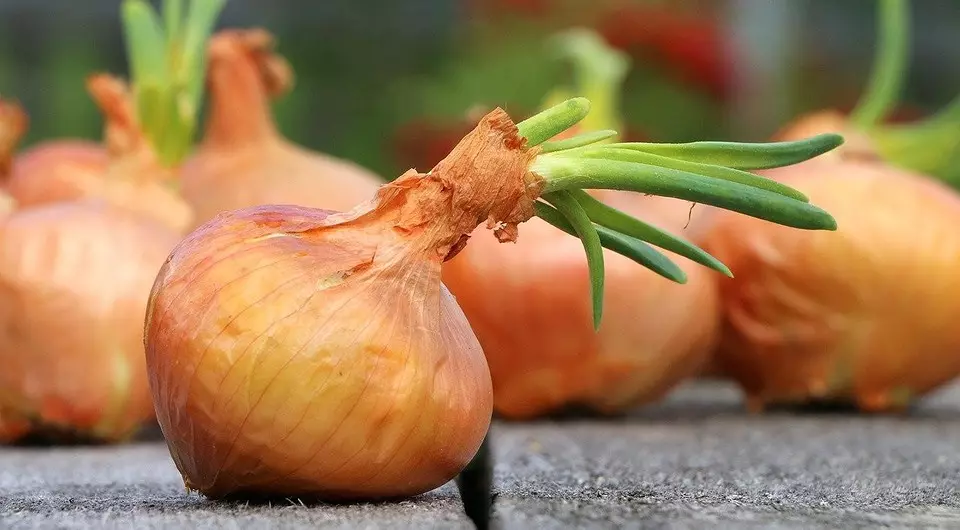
(864,315)
(302,353)
(129,175)
(243,159)
(529,305)
(74,282)
(39,165)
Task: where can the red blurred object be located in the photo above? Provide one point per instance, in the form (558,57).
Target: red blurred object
(691,46)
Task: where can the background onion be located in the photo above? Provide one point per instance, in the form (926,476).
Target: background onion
(243,160)
(529,305)
(865,315)
(128,174)
(74,282)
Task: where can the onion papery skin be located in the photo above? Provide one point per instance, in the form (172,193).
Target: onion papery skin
(865,315)
(529,304)
(286,360)
(74,282)
(243,159)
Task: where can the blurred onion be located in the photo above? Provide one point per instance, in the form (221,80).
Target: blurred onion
(529,305)
(243,159)
(865,315)
(127,175)
(74,283)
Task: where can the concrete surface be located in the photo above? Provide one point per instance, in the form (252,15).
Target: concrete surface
(695,461)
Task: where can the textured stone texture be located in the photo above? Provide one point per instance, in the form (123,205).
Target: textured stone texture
(694,461)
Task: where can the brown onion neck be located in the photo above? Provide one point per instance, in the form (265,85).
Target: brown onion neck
(486,178)
(244,74)
(13,125)
(122,132)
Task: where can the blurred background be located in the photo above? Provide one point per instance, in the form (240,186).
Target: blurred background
(385,82)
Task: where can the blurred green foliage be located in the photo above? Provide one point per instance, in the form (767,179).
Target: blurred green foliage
(366,68)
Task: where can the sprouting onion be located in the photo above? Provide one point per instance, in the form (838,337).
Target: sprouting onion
(305,353)
(167,55)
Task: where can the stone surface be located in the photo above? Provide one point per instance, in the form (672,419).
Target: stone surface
(694,461)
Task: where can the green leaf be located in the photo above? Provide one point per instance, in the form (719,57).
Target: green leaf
(632,248)
(614,219)
(172,15)
(565,174)
(587,233)
(168,68)
(717,172)
(550,122)
(146,44)
(889,65)
(580,140)
(200,24)
(599,71)
(739,155)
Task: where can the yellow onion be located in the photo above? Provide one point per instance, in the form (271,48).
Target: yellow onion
(74,282)
(243,159)
(302,353)
(39,165)
(864,315)
(655,334)
(131,177)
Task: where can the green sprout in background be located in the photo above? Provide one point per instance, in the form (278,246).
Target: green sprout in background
(167,54)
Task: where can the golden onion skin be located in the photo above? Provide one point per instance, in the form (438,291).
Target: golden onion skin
(290,361)
(74,283)
(529,304)
(865,315)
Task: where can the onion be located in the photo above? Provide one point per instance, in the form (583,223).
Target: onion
(74,283)
(656,332)
(130,176)
(243,160)
(39,165)
(864,315)
(861,317)
(38,168)
(294,352)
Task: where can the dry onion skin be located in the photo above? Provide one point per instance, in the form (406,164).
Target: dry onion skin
(279,337)
(74,283)
(243,159)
